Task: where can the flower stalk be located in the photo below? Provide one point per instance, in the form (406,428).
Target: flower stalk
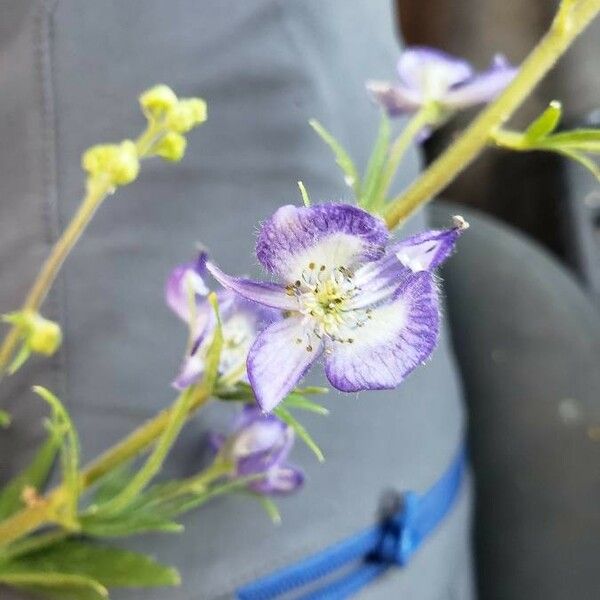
(572,18)
(108,167)
(421,119)
(43,513)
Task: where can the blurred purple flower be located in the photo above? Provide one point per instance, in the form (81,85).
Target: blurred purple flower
(260,444)
(430,76)
(186,294)
(369,305)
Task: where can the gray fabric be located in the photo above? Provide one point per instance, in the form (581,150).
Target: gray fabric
(265,67)
(528,341)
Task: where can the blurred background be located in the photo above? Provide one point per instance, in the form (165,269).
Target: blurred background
(555,202)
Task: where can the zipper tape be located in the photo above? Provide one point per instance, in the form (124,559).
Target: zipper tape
(390,543)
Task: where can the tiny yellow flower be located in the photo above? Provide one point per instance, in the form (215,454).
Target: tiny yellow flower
(186,114)
(43,336)
(119,162)
(172,147)
(157,101)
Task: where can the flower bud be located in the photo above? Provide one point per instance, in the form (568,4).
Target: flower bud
(119,162)
(43,336)
(186,114)
(171,147)
(157,101)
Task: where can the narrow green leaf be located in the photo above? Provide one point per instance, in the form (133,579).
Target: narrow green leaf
(375,167)
(312,390)
(304,193)
(296,400)
(213,355)
(584,140)
(545,124)
(105,565)
(56,586)
(4,419)
(270,508)
(127,524)
(112,483)
(301,432)
(69,451)
(35,475)
(342,158)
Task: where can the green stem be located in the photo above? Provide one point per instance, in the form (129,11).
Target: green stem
(157,457)
(419,120)
(33,517)
(568,24)
(98,189)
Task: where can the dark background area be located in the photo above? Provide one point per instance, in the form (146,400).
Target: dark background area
(529,191)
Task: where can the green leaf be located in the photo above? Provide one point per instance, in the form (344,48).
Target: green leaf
(213,355)
(296,400)
(4,419)
(584,140)
(304,193)
(56,586)
(129,523)
(373,176)
(105,565)
(69,451)
(270,508)
(112,483)
(342,158)
(301,432)
(35,475)
(545,124)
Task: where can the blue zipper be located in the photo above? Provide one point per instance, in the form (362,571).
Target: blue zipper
(374,550)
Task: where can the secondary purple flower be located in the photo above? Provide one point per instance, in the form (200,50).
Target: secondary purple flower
(369,305)
(186,294)
(260,444)
(428,76)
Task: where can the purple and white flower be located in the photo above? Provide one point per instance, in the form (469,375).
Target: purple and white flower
(259,445)
(368,305)
(429,76)
(186,294)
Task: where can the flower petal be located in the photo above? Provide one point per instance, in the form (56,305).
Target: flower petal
(191,370)
(425,251)
(431,71)
(185,284)
(279,481)
(482,87)
(269,294)
(329,235)
(279,357)
(395,99)
(398,337)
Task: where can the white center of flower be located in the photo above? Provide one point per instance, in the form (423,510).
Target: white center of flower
(238,335)
(324,296)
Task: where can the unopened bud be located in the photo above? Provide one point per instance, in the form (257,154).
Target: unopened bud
(172,147)
(157,101)
(42,335)
(119,162)
(186,114)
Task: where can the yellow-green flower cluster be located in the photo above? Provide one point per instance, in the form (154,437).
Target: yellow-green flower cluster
(169,118)
(119,163)
(176,115)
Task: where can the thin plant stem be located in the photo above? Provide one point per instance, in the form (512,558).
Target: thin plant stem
(398,149)
(98,189)
(32,517)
